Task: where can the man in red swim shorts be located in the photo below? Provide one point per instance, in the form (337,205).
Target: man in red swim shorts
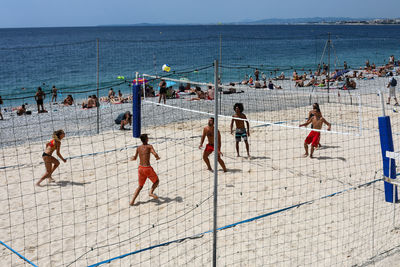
(209,132)
(317,122)
(145,170)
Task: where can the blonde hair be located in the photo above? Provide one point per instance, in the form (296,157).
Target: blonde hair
(56,135)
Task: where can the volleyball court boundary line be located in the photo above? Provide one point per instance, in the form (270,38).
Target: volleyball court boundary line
(200,235)
(19,255)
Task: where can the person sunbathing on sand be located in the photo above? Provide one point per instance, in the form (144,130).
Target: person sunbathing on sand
(111,94)
(50,162)
(68,101)
(21,110)
(299,83)
(200,94)
(91,103)
(272,86)
(311,82)
(251,81)
(145,170)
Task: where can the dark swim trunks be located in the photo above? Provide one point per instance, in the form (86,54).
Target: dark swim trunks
(240,133)
(163,90)
(39,101)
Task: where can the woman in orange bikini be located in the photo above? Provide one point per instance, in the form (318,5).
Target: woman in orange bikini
(50,162)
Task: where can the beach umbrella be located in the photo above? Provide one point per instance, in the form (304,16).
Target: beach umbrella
(140,81)
(170,83)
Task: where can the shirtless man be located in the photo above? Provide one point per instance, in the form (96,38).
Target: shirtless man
(145,170)
(54,91)
(91,103)
(209,132)
(111,94)
(39,97)
(317,122)
(163,91)
(240,129)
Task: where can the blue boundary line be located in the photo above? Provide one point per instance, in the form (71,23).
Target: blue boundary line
(234,224)
(19,255)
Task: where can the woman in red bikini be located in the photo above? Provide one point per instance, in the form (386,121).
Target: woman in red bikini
(50,162)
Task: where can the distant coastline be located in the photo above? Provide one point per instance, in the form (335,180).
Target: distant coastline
(276,21)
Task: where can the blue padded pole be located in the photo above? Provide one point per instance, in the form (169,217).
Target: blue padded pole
(136,120)
(389,165)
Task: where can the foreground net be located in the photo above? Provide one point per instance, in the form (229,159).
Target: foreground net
(274,208)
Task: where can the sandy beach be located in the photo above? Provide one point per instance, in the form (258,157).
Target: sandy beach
(329,210)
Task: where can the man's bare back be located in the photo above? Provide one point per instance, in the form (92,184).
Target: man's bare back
(143,152)
(145,170)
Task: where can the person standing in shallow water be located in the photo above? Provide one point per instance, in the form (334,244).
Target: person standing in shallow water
(50,162)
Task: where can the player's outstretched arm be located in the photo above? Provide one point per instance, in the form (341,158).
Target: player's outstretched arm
(306,123)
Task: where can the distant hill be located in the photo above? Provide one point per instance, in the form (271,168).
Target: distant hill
(314,20)
(277,21)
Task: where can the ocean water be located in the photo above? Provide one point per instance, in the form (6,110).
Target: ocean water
(75,59)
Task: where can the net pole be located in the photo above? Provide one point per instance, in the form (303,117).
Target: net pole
(329,61)
(382,103)
(144,88)
(98,85)
(216,151)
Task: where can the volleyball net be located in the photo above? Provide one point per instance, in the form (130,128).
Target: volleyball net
(273,208)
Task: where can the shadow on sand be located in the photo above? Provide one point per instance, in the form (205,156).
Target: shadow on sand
(327,147)
(66,183)
(160,200)
(325,158)
(260,157)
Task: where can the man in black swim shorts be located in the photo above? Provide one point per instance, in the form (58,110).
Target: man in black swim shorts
(163,91)
(39,97)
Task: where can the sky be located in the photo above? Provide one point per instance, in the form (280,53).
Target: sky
(59,13)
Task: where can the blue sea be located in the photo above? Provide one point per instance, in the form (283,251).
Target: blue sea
(76,59)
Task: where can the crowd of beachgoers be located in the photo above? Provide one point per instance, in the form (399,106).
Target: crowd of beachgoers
(344,78)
